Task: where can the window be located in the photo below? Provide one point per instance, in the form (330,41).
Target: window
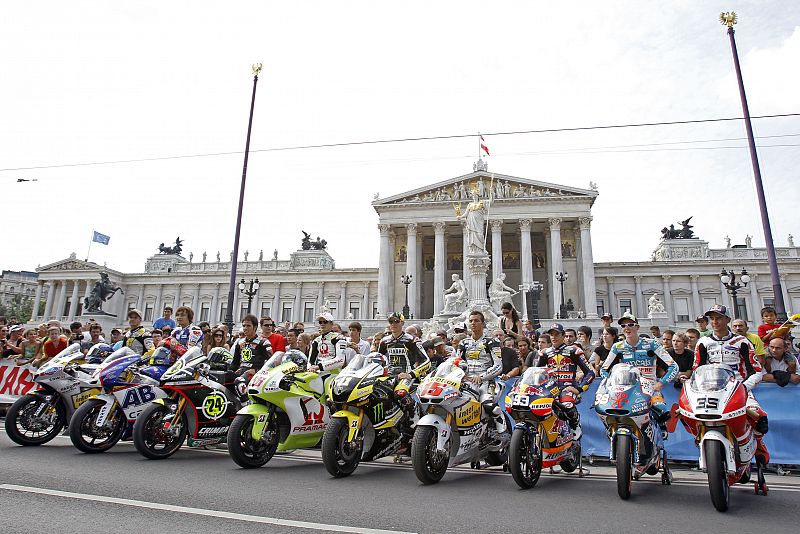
(265,309)
(205,309)
(148,311)
(374,310)
(131,306)
(741,303)
(708,302)
(333,309)
(286,313)
(308,313)
(769,301)
(682,309)
(601,307)
(242,311)
(223,311)
(355,310)
(625,305)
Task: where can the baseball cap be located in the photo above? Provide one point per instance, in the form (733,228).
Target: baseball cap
(558,327)
(606,316)
(627,316)
(16,328)
(460,326)
(132,311)
(701,318)
(396,315)
(437,341)
(327,316)
(718,308)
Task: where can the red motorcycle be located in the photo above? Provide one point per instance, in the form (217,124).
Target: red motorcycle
(713,408)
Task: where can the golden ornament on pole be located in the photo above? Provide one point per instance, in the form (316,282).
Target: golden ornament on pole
(728,18)
(257,69)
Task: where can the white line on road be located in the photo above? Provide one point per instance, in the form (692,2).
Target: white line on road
(200,511)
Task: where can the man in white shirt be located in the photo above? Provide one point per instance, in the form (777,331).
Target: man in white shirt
(360,346)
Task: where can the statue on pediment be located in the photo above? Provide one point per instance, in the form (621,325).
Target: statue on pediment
(506,189)
(102,291)
(519,192)
(498,188)
(476,225)
(175,249)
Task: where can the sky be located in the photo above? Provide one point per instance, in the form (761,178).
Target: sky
(156,96)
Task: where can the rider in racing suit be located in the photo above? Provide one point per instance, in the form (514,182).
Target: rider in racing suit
(565,360)
(138,339)
(735,351)
(482,356)
(644,354)
(186,333)
(406,359)
(251,352)
(329,349)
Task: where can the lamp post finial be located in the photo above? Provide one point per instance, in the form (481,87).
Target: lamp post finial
(728,18)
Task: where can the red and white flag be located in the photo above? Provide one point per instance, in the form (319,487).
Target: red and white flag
(484,148)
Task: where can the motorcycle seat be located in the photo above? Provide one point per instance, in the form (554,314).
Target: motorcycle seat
(223,377)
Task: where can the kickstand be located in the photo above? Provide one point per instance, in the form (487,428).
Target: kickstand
(581,471)
(666,476)
(761,483)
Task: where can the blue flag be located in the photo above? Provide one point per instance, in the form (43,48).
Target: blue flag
(100,238)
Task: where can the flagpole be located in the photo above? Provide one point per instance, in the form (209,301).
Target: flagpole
(90,245)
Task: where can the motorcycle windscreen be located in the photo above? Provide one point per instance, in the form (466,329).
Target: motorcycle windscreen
(623,375)
(450,369)
(121,352)
(534,376)
(364,365)
(708,378)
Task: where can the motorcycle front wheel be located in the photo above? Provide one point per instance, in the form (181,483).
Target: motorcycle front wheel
(24,428)
(246,451)
(340,456)
(150,438)
(87,436)
(622,444)
(429,464)
(717,477)
(525,457)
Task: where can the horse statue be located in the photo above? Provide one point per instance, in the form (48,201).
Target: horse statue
(102,291)
(177,249)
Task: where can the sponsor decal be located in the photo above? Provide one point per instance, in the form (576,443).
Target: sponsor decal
(619,399)
(469,414)
(377,412)
(82,397)
(247,354)
(213,431)
(137,396)
(214,405)
(708,403)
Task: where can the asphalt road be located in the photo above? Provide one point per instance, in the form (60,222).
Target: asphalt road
(55,488)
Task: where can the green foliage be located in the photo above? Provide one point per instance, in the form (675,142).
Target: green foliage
(20,309)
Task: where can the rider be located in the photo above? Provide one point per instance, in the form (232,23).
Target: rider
(723,346)
(482,356)
(328,350)
(407,360)
(565,360)
(137,338)
(251,351)
(643,353)
(186,333)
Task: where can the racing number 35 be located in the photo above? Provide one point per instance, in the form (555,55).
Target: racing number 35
(710,403)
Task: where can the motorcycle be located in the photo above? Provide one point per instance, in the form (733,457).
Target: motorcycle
(637,445)
(128,382)
(287,411)
(455,428)
(203,398)
(541,438)
(713,408)
(370,421)
(64,383)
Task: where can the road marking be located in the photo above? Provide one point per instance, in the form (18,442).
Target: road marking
(200,511)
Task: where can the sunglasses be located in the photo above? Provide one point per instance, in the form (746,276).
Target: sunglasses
(628,325)
(219,335)
(271,325)
(393,321)
(323,322)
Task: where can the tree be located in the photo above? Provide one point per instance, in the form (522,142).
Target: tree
(19,308)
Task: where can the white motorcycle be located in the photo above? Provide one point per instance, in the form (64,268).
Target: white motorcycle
(455,428)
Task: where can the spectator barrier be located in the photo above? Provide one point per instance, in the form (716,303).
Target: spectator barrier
(15,380)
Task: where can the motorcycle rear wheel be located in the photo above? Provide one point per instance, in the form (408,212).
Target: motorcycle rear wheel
(571,464)
(246,451)
(428,466)
(84,433)
(717,477)
(334,444)
(148,434)
(525,457)
(19,414)
(624,451)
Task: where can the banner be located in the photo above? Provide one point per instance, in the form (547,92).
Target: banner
(15,380)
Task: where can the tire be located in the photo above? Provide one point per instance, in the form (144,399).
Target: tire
(497,457)
(525,457)
(340,457)
(244,450)
(82,426)
(717,478)
(428,468)
(150,439)
(571,464)
(22,430)
(624,450)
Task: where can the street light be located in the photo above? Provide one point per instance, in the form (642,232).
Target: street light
(562,277)
(728,279)
(406,280)
(249,291)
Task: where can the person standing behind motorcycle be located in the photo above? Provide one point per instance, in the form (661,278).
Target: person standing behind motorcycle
(407,359)
(137,338)
(735,351)
(327,353)
(482,356)
(186,333)
(565,359)
(643,353)
(251,351)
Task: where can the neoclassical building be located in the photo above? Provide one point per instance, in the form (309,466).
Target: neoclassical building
(534,230)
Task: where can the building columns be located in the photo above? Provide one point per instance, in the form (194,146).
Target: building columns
(195,299)
(157,305)
(639,307)
(612,298)
(555,261)
(73,303)
(497,248)
(668,297)
(385,263)
(343,308)
(587,264)
(48,306)
(464,252)
(695,297)
(213,317)
(439,266)
(320,297)
(366,309)
(275,313)
(36,299)
(525,252)
(755,302)
(140,300)
(411,266)
(297,313)
(62,299)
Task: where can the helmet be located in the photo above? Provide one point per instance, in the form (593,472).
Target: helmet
(296,356)
(219,358)
(98,353)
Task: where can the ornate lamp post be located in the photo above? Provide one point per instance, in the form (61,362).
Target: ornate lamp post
(250,290)
(728,279)
(229,312)
(729,19)
(406,280)
(561,278)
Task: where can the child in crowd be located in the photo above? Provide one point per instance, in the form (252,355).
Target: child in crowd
(770,329)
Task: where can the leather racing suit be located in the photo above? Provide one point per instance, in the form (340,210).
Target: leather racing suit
(483,359)
(404,355)
(565,361)
(250,354)
(188,336)
(738,353)
(328,352)
(138,340)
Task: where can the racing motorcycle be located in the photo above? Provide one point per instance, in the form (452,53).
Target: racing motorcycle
(287,411)
(203,398)
(128,382)
(455,428)
(623,404)
(713,408)
(541,438)
(370,421)
(64,383)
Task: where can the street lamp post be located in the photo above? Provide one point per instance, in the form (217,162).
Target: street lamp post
(729,19)
(728,279)
(249,290)
(561,277)
(406,280)
(229,312)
